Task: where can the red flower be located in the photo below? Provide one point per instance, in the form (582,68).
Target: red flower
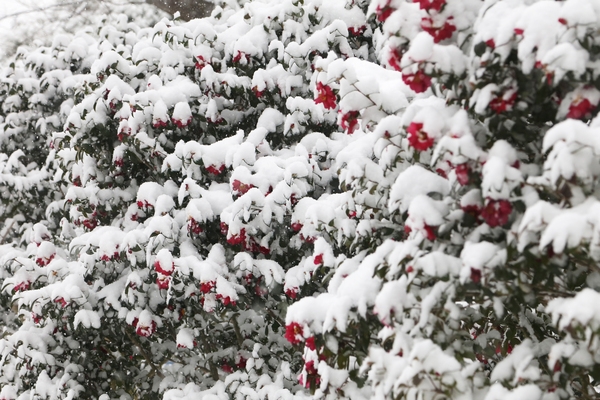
(258,93)
(19,287)
(519,31)
(240,188)
(226,300)
(475,275)
(409,269)
(318,260)
(418,82)
(194,227)
(213,169)
(395,57)
(296,226)
(43,261)
(502,104)
(427,5)
(224,228)
(241,364)
(357,31)
(563,21)
(325,96)
(430,232)
(438,33)
(418,138)
(163,281)
(143,330)
(182,124)
(61,301)
(292,293)
(237,239)
(307,239)
(159,123)
(200,62)
(580,108)
(310,343)
(349,121)
(238,57)
(310,368)
(206,287)
(472,209)
(496,212)
(293,333)
(163,269)
(383,13)
(36,318)
(90,224)
(462,173)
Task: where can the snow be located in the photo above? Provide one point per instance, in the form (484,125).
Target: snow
(412,182)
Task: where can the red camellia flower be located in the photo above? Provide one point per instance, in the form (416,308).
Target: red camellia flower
(181,123)
(241,364)
(159,123)
(438,33)
(418,138)
(349,121)
(239,56)
(462,173)
(43,261)
(166,270)
(395,57)
(383,13)
(496,212)
(502,104)
(213,169)
(226,367)
(206,287)
(293,333)
(36,318)
(428,5)
(257,93)
(200,62)
(310,343)
(19,287)
(307,239)
(318,260)
(145,331)
(296,226)
(418,82)
(226,300)
(292,293)
(224,228)
(580,108)
(163,281)
(325,96)
(61,301)
(240,188)
(475,275)
(237,239)
(430,233)
(194,227)
(356,31)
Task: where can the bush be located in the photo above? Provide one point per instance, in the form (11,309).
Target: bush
(306,199)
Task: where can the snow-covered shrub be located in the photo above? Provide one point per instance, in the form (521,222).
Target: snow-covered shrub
(319,198)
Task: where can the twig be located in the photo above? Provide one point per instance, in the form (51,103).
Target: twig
(6,232)
(145,355)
